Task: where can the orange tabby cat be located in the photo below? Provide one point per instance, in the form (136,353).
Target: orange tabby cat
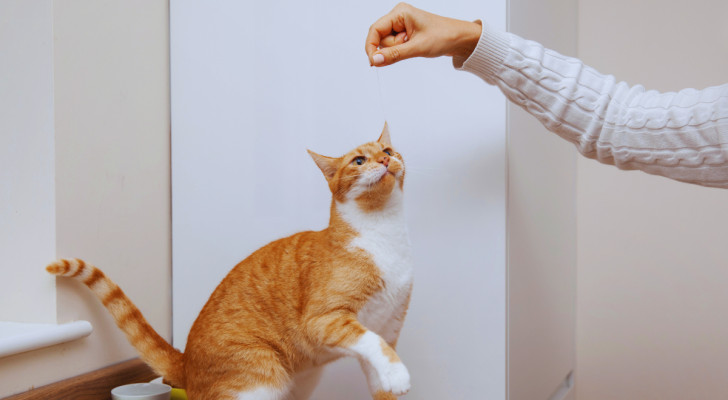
(299,302)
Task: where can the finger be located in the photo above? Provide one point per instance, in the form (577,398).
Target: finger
(380,29)
(391,55)
(401,38)
(388,41)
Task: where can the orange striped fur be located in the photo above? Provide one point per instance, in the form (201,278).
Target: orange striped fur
(297,303)
(155,351)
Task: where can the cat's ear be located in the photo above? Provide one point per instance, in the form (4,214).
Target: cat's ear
(328,165)
(384,137)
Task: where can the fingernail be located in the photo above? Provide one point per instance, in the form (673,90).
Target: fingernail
(378,59)
(406,38)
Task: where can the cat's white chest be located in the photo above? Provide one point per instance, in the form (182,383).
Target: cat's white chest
(384,311)
(385,239)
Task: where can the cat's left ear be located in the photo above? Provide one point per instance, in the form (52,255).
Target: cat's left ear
(384,137)
(327,165)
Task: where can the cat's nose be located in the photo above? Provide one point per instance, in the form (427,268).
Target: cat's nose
(384,160)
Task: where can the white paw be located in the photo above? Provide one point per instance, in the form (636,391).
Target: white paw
(395,378)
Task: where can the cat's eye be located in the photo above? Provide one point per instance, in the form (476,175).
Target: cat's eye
(388,152)
(359,160)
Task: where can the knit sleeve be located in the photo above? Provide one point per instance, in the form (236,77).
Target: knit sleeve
(683,135)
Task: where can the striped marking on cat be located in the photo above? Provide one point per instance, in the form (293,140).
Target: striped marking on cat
(155,351)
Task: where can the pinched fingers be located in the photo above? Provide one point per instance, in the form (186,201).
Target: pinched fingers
(389,30)
(379,31)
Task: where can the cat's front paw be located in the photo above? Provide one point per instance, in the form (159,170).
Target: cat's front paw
(395,379)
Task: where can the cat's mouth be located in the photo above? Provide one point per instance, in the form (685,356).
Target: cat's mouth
(384,174)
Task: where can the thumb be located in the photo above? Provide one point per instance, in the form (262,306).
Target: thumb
(390,55)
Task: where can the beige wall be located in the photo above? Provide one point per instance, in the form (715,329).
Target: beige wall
(541,226)
(111,98)
(652,253)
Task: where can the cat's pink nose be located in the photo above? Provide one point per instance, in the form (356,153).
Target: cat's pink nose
(384,160)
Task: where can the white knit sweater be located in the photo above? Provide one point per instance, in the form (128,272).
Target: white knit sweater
(683,136)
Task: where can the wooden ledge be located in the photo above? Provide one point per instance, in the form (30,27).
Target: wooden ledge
(95,385)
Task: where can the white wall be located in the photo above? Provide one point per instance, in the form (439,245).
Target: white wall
(111,168)
(652,252)
(255,84)
(27,198)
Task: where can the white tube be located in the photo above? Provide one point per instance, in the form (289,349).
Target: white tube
(16,337)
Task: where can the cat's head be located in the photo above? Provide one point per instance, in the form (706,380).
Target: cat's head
(368,174)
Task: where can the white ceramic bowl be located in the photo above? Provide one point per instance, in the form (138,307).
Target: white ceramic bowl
(142,391)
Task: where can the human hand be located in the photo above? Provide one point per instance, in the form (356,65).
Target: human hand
(408,32)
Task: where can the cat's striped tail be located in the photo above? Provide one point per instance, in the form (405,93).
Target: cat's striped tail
(154,350)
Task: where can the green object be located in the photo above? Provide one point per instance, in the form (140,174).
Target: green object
(178,394)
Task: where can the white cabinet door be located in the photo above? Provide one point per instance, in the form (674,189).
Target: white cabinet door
(255,84)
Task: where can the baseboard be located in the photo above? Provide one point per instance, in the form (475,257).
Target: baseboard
(95,385)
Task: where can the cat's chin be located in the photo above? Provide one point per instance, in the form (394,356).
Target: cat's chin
(386,182)
(387,175)
(378,194)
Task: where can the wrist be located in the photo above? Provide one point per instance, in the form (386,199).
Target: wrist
(467,39)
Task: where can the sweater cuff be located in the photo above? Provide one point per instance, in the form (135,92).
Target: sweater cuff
(487,58)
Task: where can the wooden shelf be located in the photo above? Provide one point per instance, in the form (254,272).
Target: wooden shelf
(94,385)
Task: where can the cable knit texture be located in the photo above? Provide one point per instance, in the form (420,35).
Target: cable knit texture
(683,136)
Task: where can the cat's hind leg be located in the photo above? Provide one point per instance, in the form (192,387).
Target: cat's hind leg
(251,372)
(301,387)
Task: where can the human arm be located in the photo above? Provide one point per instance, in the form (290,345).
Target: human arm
(683,135)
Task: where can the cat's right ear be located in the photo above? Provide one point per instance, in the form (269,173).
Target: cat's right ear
(384,138)
(327,165)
